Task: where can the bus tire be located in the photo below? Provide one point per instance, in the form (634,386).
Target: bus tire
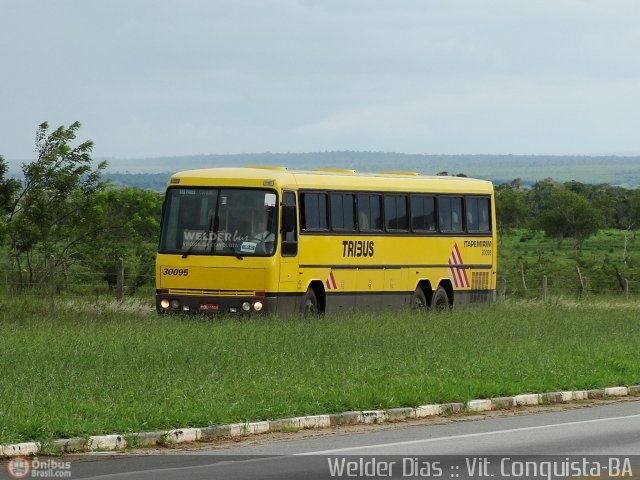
(310,304)
(418,300)
(440,300)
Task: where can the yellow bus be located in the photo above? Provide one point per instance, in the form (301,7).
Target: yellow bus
(258,240)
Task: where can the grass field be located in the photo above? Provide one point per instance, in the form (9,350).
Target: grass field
(78,372)
(598,259)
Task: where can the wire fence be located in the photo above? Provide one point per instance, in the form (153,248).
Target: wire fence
(78,281)
(118,281)
(576,283)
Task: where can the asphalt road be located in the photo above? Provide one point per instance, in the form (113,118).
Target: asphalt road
(586,441)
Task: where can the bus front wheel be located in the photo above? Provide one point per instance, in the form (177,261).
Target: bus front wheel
(440,299)
(310,303)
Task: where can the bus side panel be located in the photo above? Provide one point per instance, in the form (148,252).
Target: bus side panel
(340,286)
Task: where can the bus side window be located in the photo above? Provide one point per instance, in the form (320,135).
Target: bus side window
(363,221)
(369,212)
(423,216)
(289,225)
(479,209)
(341,207)
(395,213)
(456,214)
(450,214)
(314,211)
(483,210)
(472,224)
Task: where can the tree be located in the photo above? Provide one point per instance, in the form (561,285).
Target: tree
(54,208)
(8,190)
(568,215)
(129,225)
(539,194)
(511,209)
(516,184)
(634,209)
(612,201)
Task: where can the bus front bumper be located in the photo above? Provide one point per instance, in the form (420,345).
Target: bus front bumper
(188,304)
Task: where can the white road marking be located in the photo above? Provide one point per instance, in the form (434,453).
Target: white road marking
(467,435)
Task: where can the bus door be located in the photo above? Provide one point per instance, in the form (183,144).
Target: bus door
(289,265)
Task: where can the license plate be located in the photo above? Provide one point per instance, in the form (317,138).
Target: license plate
(209,307)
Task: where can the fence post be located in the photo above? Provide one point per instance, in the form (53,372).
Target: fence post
(581,280)
(626,288)
(524,284)
(544,288)
(52,283)
(120,281)
(503,288)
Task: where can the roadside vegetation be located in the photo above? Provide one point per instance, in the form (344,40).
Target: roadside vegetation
(96,366)
(62,216)
(604,260)
(79,373)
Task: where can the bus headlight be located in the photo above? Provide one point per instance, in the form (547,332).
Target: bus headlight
(246,306)
(175,303)
(164,303)
(257,306)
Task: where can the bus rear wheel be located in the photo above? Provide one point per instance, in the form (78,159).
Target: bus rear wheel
(418,300)
(440,300)
(310,304)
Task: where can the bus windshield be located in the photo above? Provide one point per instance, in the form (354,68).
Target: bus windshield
(219,221)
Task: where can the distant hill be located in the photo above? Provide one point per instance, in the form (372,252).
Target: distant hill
(615,170)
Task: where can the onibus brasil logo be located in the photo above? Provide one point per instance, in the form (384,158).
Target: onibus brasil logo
(21,467)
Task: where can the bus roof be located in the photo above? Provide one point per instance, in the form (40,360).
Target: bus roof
(329,178)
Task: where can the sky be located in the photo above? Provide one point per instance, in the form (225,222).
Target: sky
(187,77)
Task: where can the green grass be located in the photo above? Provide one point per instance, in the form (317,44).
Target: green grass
(80,373)
(598,259)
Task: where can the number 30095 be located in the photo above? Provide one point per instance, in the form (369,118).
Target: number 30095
(182,272)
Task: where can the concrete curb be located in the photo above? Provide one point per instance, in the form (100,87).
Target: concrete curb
(116,442)
(27,448)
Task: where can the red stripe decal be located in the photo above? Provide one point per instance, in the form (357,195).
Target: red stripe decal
(458,275)
(331,282)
